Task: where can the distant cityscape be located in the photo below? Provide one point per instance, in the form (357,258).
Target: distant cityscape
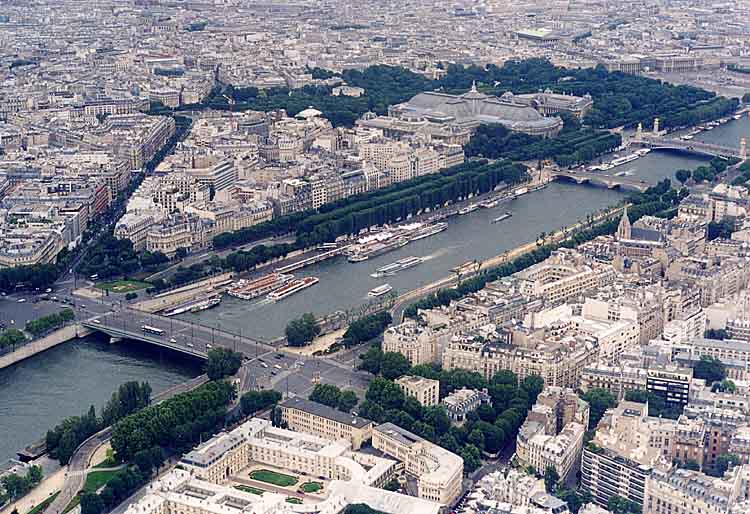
(173,174)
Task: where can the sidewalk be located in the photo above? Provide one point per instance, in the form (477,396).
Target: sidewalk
(49,486)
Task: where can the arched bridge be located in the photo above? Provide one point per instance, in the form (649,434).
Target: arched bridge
(698,147)
(599,179)
(185,337)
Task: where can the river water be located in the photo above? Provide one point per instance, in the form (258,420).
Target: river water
(64,381)
(472,236)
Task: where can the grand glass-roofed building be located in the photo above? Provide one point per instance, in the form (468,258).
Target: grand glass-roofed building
(473,108)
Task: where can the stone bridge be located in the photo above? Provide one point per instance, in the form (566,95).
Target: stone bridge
(600,179)
(665,143)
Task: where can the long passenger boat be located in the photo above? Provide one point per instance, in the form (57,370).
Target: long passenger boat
(250,289)
(295,286)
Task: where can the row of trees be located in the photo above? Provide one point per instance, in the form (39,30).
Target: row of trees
(329,394)
(300,332)
(64,438)
(253,402)
(110,257)
(222,362)
(489,429)
(11,338)
(50,322)
(175,424)
(658,199)
(394,203)
(15,486)
(120,487)
(105,257)
(38,276)
(390,365)
(367,328)
(744,176)
(571,146)
(709,173)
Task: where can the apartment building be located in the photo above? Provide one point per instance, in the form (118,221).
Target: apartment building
(726,349)
(672,383)
(314,418)
(552,434)
(220,457)
(563,276)
(559,362)
(616,379)
(462,401)
(682,491)
(621,456)
(29,246)
(426,391)
(439,473)
(419,343)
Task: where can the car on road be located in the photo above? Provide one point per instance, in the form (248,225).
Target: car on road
(263,364)
(208,346)
(189,345)
(22,300)
(48,290)
(273,373)
(173,340)
(277,366)
(97,322)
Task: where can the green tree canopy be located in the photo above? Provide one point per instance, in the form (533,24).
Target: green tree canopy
(599,401)
(222,362)
(300,332)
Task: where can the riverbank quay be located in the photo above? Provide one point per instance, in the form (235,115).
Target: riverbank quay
(40,345)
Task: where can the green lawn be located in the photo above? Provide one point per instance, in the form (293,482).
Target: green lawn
(73,504)
(123,286)
(272,477)
(295,501)
(98,479)
(42,506)
(248,489)
(311,487)
(95,480)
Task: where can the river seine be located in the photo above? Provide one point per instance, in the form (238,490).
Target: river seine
(64,381)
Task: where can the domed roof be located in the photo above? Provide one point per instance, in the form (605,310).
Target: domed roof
(473,94)
(310,112)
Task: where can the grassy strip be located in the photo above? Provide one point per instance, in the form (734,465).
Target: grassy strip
(311,487)
(43,506)
(122,286)
(249,489)
(94,481)
(272,477)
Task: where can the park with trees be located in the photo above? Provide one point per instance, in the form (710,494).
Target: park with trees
(301,331)
(222,362)
(488,430)
(63,439)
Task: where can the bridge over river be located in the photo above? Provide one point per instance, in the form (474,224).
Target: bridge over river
(600,179)
(657,142)
(182,336)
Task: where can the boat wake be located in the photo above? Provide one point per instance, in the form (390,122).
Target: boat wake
(440,253)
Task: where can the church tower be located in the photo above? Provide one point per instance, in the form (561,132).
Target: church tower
(624,229)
